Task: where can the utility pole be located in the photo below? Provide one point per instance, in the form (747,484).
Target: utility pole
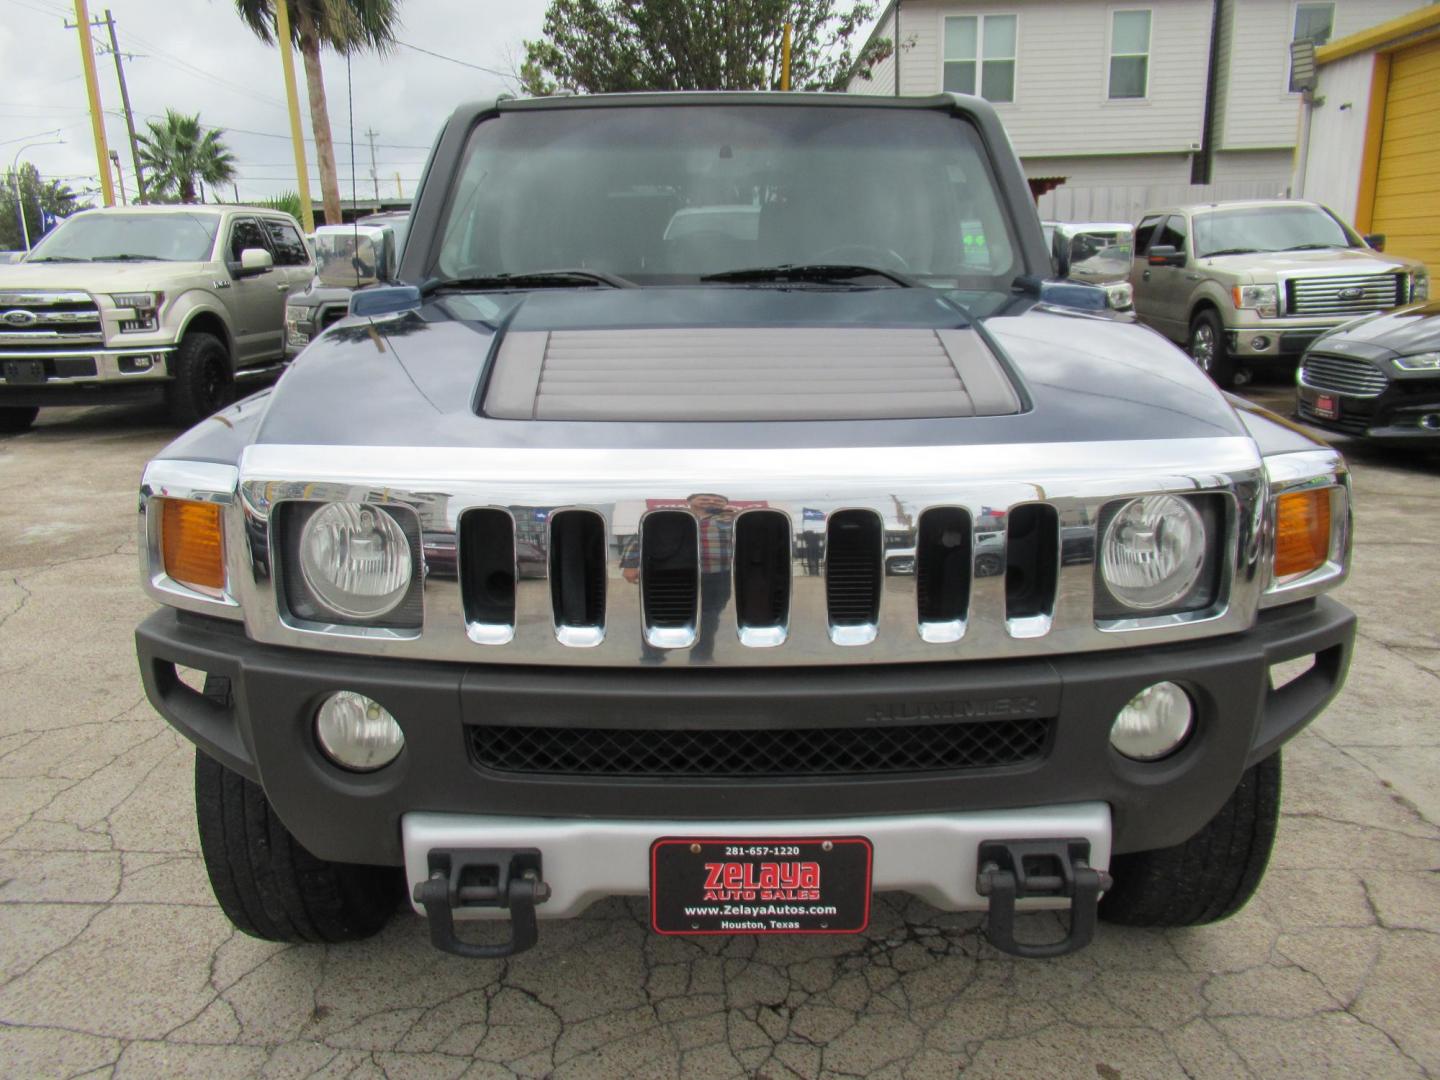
(370,134)
(109,24)
(785,57)
(115,160)
(92,88)
(297,137)
(399,191)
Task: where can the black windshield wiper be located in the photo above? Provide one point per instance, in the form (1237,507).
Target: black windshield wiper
(1228,251)
(57,258)
(131,258)
(818,272)
(535,279)
(1310,247)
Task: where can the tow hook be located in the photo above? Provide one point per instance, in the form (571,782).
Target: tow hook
(1012,870)
(482,878)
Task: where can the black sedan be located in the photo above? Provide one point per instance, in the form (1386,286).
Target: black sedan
(1378,378)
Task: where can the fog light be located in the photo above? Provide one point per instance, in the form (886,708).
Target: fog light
(357,733)
(1260,344)
(1154,723)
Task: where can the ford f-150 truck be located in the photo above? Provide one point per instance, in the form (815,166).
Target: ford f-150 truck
(127,303)
(749,570)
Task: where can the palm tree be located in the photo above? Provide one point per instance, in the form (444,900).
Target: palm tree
(182,155)
(347,26)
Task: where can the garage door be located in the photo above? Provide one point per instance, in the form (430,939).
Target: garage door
(1407,184)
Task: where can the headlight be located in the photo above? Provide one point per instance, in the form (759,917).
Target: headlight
(1153,552)
(1428,361)
(295,313)
(1120,295)
(1264,300)
(147,310)
(1420,285)
(355,559)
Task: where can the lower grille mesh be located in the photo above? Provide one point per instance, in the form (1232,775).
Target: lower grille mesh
(786,752)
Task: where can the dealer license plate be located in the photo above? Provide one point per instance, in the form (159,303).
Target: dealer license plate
(756,885)
(1327,407)
(24,371)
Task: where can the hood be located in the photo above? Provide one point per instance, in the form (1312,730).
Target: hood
(423,378)
(1408,330)
(1325,261)
(103,277)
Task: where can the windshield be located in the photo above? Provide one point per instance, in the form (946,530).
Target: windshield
(1269,228)
(177,237)
(348,257)
(664,195)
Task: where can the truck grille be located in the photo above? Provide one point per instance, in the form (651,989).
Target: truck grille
(1343,375)
(33,322)
(786,752)
(1354,294)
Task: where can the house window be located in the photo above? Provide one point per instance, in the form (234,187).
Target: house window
(1129,54)
(980,51)
(1313,22)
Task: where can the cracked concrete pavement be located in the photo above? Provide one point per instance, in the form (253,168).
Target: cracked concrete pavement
(114,959)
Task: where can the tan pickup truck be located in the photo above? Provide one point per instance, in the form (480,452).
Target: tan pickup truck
(125,303)
(1245,284)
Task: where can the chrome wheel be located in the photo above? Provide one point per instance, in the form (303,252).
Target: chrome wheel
(1202,346)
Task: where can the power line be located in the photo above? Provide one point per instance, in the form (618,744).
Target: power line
(451,59)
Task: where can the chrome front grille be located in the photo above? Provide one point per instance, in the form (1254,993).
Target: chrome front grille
(1343,375)
(842,556)
(1352,294)
(40,321)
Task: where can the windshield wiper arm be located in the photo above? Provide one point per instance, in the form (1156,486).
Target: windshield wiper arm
(57,258)
(810,272)
(1229,251)
(535,279)
(131,258)
(1310,247)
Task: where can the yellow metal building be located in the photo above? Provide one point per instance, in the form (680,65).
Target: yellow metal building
(1374,148)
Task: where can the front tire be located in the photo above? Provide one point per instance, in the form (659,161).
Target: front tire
(1206,346)
(267,884)
(202,380)
(17,418)
(1210,876)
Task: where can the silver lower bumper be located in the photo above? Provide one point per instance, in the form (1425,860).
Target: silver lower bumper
(932,856)
(108,364)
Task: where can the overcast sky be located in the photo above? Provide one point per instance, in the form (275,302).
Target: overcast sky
(197,56)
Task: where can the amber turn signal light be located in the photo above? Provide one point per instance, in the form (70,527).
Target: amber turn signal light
(1302,532)
(190,543)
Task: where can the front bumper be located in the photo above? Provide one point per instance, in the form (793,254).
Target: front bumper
(1407,414)
(82,376)
(258,720)
(1281,339)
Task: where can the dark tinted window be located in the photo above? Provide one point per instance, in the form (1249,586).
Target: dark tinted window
(245,233)
(1173,233)
(1143,232)
(286,243)
(615,188)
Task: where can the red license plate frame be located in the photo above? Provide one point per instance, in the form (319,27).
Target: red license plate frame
(706,885)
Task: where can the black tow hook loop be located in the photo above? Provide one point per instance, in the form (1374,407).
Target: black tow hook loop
(1012,870)
(507,878)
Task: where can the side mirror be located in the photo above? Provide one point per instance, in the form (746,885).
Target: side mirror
(1376,240)
(1165,255)
(255,261)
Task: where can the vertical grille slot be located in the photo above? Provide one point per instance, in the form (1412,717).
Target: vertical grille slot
(762,576)
(942,572)
(487,574)
(853,541)
(1032,567)
(577,575)
(669,577)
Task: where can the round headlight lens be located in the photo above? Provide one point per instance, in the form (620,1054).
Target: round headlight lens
(355,559)
(1153,552)
(1154,723)
(357,732)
